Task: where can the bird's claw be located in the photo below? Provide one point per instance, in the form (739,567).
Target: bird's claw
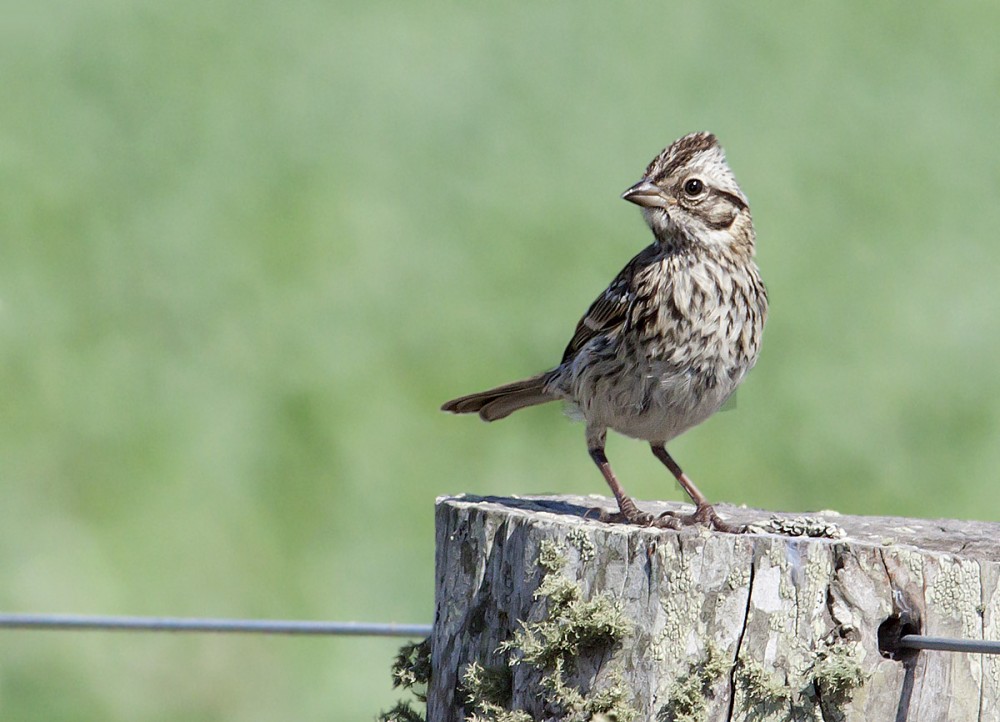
(631,514)
(703,514)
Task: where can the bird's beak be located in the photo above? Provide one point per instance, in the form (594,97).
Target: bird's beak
(646,194)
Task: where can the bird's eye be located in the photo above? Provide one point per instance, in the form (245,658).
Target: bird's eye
(693,186)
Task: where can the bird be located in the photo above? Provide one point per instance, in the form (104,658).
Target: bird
(672,336)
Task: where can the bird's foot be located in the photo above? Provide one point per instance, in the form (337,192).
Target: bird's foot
(703,514)
(628,513)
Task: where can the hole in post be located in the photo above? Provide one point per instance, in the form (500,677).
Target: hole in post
(892,630)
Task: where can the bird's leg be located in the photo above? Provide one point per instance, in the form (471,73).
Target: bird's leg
(704,512)
(627,510)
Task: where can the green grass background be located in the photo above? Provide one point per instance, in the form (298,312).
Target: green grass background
(248,248)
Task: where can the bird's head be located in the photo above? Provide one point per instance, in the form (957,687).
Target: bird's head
(688,194)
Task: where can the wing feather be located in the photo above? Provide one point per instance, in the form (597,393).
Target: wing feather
(609,314)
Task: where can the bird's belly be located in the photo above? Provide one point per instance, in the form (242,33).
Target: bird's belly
(664,418)
(653,402)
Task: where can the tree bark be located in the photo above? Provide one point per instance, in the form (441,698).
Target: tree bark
(569,618)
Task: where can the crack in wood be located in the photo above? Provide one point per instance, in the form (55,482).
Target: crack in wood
(739,640)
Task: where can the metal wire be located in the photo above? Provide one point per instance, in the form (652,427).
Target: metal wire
(226,626)
(356,629)
(948,644)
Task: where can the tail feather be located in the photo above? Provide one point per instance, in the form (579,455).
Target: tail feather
(503,400)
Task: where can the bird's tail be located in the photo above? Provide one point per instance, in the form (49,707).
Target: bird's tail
(503,400)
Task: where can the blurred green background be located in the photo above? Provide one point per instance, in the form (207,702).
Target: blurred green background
(248,248)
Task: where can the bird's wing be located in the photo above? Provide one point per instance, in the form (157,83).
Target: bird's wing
(610,312)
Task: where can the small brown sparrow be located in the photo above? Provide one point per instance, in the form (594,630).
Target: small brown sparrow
(673,335)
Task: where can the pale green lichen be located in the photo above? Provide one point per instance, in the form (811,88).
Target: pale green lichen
(836,673)
(692,694)
(762,689)
(818,571)
(487,694)
(681,608)
(822,688)
(411,670)
(738,578)
(991,666)
(764,695)
(777,554)
(807,526)
(487,684)
(786,589)
(402,712)
(609,703)
(550,556)
(778,624)
(955,591)
(584,546)
(572,627)
(494,713)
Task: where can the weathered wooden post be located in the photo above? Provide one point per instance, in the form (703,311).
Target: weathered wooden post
(545,614)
